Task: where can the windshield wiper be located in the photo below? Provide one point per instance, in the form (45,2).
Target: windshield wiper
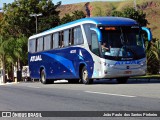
(122,37)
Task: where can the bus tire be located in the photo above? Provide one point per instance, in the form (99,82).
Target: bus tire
(122,80)
(43,79)
(84,76)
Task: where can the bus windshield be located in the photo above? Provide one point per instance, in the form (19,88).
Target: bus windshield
(122,43)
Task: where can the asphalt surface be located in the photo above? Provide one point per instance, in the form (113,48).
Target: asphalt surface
(103,95)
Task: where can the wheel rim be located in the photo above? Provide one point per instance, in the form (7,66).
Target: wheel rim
(85,75)
(43,76)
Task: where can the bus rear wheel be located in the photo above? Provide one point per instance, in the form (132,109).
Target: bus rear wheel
(122,80)
(84,76)
(43,79)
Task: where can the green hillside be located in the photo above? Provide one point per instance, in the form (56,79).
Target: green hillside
(150,7)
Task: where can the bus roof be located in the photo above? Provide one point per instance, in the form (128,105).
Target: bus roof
(113,21)
(106,21)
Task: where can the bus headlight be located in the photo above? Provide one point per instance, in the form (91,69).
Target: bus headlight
(143,64)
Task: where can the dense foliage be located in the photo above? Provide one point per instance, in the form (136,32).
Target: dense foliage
(17,25)
(18,20)
(138,15)
(75,16)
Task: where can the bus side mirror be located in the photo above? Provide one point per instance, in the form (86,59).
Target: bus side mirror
(149,34)
(98,33)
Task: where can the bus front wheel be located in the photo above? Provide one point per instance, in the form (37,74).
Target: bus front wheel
(84,76)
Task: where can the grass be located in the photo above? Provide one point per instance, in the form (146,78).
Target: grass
(147,77)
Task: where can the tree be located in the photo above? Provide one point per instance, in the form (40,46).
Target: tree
(78,15)
(75,16)
(2,56)
(153,57)
(11,51)
(50,16)
(67,18)
(138,15)
(1,15)
(117,13)
(16,26)
(17,16)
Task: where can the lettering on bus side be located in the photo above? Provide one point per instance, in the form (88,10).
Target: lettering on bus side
(36,58)
(127,62)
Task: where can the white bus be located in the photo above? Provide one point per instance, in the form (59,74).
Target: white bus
(88,49)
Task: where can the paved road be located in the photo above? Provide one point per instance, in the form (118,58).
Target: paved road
(100,96)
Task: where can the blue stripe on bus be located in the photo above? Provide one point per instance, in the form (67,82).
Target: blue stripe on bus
(65,62)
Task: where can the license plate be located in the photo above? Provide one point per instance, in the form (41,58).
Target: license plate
(127,72)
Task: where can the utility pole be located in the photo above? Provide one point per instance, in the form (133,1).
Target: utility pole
(36,15)
(135,5)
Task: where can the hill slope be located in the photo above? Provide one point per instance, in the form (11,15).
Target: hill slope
(150,7)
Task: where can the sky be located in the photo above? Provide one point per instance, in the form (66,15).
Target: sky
(55,1)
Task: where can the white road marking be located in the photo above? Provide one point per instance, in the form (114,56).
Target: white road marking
(109,94)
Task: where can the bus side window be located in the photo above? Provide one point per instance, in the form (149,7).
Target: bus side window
(75,36)
(55,40)
(78,38)
(66,38)
(32,46)
(94,44)
(47,42)
(40,44)
(88,32)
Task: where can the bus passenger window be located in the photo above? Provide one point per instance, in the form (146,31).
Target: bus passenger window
(32,46)
(47,42)
(78,37)
(55,40)
(39,44)
(66,38)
